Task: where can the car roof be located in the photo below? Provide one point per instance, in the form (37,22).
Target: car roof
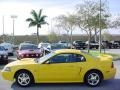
(26,44)
(67,51)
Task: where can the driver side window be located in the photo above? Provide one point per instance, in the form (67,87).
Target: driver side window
(61,58)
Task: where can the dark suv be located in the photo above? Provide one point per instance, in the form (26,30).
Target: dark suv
(79,44)
(107,44)
(115,44)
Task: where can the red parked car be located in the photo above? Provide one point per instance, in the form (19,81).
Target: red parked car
(28,51)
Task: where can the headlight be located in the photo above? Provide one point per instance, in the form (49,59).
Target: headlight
(7,69)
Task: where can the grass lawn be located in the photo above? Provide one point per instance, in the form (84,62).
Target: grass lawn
(96,53)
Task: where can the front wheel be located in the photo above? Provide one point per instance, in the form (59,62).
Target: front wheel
(23,78)
(93,78)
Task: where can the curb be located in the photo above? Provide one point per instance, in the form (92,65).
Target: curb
(117,59)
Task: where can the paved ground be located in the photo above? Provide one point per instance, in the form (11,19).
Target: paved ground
(114,51)
(113,84)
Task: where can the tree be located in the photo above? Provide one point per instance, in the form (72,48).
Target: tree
(67,23)
(107,36)
(37,20)
(116,22)
(88,18)
(52,37)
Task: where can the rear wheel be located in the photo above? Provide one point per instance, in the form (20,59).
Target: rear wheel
(93,78)
(23,78)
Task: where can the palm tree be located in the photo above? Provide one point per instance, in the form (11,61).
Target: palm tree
(37,20)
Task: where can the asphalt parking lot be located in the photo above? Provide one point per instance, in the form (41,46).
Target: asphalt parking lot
(113,84)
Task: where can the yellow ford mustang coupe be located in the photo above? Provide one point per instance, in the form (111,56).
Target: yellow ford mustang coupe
(61,66)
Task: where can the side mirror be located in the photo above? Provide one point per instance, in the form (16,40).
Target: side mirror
(82,58)
(6,49)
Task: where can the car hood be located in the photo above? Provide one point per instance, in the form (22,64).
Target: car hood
(25,61)
(29,51)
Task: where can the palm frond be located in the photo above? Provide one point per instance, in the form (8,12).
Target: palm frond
(43,22)
(42,18)
(29,20)
(40,13)
(34,14)
(32,24)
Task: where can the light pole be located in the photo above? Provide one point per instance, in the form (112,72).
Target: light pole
(100,29)
(3,30)
(13,17)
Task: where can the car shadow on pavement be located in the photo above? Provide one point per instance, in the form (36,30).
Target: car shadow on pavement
(113,84)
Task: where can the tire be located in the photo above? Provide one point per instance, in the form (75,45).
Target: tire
(97,47)
(83,48)
(93,78)
(6,61)
(24,78)
(18,57)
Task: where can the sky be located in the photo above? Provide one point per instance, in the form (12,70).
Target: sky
(51,8)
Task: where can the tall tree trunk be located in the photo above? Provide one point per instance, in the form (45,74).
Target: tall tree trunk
(71,39)
(67,37)
(89,40)
(37,35)
(95,35)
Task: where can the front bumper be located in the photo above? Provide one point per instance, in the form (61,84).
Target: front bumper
(30,56)
(110,74)
(7,75)
(3,57)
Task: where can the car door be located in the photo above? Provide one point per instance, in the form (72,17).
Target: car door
(59,68)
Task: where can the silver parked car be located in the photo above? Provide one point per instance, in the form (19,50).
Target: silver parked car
(3,55)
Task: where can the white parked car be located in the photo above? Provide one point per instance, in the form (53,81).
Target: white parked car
(45,47)
(64,43)
(8,47)
(3,55)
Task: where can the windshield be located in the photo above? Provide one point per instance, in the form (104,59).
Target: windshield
(2,48)
(46,57)
(26,47)
(57,46)
(78,41)
(45,45)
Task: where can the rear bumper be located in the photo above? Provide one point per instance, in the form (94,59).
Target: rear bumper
(110,74)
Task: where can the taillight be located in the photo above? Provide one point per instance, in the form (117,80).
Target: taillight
(112,66)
